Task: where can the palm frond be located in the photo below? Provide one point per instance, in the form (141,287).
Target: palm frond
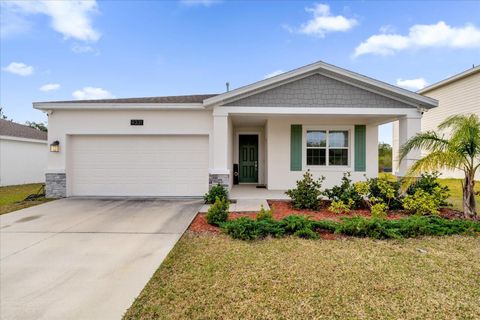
(429,141)
(433,162)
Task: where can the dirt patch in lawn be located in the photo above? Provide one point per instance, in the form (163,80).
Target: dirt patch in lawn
(283,208)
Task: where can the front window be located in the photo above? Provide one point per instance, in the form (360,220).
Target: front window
(327,146)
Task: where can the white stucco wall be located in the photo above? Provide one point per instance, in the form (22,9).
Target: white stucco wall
(22,161)
(64,123)
(278,149)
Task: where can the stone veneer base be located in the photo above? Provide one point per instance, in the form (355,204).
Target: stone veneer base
(222,179)
(55,185)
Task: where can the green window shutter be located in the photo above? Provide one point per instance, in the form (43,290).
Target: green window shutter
(296,147)
(360,147)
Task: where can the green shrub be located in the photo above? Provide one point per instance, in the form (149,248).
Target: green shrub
(423,203)
(363,227)
(245,228)
(293,223)
(218,212)
(428,182)
(379,210)
(306,194)
(306,234)
(379,194)
(215,192)
(345,192)
(339,207)
(327,225)
(248,229)
(387,191)
(264,214)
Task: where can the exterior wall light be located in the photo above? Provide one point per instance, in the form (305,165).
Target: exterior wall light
(55,146)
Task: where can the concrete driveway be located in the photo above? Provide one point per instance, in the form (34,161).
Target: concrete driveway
(84,258)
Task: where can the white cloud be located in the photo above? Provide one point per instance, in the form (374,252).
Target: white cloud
(88,93)
(421,36)
(70,18)
(273,74)
(49,87)
(324,22)
(19,68)
(412,84)
(205,3)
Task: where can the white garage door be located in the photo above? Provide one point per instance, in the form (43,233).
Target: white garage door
(138,165)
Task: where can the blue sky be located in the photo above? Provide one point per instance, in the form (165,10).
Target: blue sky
(72,50)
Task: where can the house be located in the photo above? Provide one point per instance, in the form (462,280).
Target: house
(23,154)
(318,117)
(459,94)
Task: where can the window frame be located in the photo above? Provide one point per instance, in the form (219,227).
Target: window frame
(327,166)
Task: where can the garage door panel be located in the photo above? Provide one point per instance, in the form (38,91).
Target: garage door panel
(139,165)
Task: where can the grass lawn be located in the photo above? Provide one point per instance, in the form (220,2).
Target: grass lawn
(11,197)
(214,277)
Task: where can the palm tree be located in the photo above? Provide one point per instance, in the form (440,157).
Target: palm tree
(460,151)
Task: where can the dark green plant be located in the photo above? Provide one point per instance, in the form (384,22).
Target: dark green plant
(248,229)
(306,194)
(306,234)
(245,228)
(217,191)
(345,192)
(218,212)
(293,223)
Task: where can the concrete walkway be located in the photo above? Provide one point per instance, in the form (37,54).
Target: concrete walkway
(84,259)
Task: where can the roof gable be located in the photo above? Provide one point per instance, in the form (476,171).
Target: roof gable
(319,91)
(346,76)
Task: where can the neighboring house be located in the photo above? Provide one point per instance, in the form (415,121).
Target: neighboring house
(318,117)
(23,154)
(459,94)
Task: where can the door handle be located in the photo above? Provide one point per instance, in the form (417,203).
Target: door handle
(256,164)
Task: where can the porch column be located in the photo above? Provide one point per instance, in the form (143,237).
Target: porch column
(407,128)
(220,173)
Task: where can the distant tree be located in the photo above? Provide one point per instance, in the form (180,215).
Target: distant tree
(37,125)
(2,114)
(384,156)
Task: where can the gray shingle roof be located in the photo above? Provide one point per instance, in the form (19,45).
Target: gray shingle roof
(12,129)
(197,98)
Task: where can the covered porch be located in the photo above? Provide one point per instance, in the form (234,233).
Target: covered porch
(265,153)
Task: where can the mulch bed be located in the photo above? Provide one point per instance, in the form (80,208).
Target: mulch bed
(284,208)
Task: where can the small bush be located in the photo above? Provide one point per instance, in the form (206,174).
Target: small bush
(327,225)
(245,228)
(339,207)
(306,234)
(379,210)
(428,182)
(306,194)
(423,203)
(218,212)
(293,223)
(264,214)
(215,192)
(387,191)
(345,192)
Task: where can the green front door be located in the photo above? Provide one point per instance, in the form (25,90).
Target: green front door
(248,156)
